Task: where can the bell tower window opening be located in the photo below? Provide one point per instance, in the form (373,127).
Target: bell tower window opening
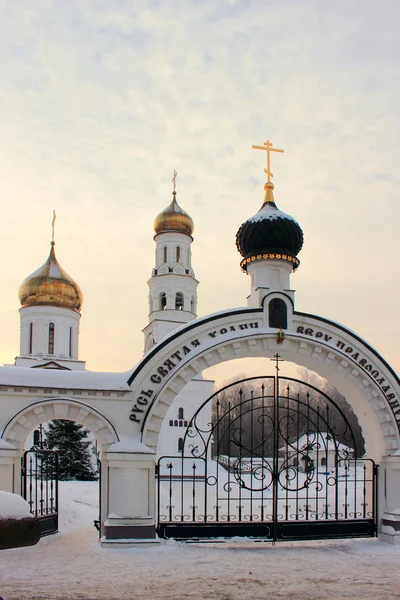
(51,338)
(165,254)
(30,337)
(178,254)
(163,301)
(180,444)
(278,313)
(179,301)
(70,342)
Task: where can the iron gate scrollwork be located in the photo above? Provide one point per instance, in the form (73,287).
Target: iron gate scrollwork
(40,486)
(270,463)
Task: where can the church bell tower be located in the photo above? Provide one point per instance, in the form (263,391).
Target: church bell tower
(172,286)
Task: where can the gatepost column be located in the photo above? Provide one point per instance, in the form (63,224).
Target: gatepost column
(130,501)
(10,468)
(389,499)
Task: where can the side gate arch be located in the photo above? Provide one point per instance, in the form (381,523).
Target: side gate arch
(34,473)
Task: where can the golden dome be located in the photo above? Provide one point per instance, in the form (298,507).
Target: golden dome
(173,218)
(50,285)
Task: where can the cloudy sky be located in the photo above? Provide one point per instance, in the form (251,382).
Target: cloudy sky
(101,99)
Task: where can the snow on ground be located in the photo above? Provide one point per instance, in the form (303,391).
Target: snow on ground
(71,565)
(13,506)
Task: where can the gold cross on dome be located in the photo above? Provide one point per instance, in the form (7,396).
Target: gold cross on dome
(52,226)
(174,179)
(268,149)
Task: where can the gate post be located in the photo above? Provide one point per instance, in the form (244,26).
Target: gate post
(130,500)
(389,499)
(10,468)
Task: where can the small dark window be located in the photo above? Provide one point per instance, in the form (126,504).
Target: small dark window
(178,254)
(179,301)
(163,301)
(180,444)
(278,313)
(30,337)
(171,423)
(165,254)
(323,461)
(70,341)
(185,423)
(51,338)
(180,423)
(176,423)
(180,413)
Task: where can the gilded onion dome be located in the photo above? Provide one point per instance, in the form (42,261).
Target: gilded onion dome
(50,285)
(269,234)
(173,218)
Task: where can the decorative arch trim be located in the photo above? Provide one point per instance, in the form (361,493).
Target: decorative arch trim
(22,423)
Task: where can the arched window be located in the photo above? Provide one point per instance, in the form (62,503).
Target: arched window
(179,301)
(180,444)
(323,461)
(51,338)
(30,337)
(278,313)
(180,413)
(70,341)
(185,423)
(176,423)
(178,254)
(171,423)
(180,423)
(163,301)
(165,254)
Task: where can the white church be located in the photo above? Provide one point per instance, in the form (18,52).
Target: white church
(142,414)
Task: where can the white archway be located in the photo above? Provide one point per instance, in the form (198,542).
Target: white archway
(27,419)
(348,362)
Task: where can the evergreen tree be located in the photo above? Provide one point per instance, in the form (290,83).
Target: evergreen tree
(74,453)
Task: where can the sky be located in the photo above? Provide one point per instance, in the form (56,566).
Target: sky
(100,100)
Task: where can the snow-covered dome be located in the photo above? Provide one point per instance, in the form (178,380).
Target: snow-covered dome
(174,218)
(50,285)
(269,234)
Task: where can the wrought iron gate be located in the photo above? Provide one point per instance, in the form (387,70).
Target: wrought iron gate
(276,459)
(40,486)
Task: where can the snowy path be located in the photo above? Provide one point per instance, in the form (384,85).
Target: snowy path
(72,566)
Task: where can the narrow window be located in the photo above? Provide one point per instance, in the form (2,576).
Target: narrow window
(180,444)
(180,413)
(176,423)
(180,423)
(165,254)
(171,423)
(178,254)
(70,342)
(51,338)
(163,301)
(185,423)
(30,337)
(179,301)
(323,461)
(278,314)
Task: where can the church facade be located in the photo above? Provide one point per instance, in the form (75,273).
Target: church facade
(144,413)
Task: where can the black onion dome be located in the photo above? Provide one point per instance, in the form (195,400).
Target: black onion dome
(269,234)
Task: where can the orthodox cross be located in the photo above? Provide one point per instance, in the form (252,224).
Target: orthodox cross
(277,358)
(52,226)
(174,179)
(268,149)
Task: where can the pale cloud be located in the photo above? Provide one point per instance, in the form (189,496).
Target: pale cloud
(101,100)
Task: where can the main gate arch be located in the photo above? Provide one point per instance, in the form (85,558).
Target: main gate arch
(337,354)
(277,461)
